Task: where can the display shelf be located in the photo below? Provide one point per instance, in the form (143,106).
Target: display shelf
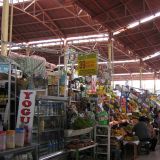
(75,101)
(54,98)
(8,92)
(19,151)
(102,126)
(49,135)
(75,90)
(6,81)
(2,113)
(49,115)
(99,144)
(78,132)
(48,130)
(107,135)
(99,135)
(53,155)
(84,148)
(105,153)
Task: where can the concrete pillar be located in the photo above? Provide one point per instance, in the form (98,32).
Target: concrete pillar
(110,55)
(141,73)
(4,27)
(65,67)
(154,82)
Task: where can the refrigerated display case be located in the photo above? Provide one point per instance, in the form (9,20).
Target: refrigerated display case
(49,124)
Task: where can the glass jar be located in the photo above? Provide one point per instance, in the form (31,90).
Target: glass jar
(19,138)
(10,139)
(2,140)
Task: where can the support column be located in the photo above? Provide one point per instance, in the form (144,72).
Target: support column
(110,56)
(65,66)
(141,73)
(28,51)
(4,27)
(131,80)
(154,82)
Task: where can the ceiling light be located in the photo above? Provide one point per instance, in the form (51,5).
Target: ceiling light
(151,56)
(146,19)
(132,25)
(157,14)
(15,1)
(127,61)
(127,74)
(119,31)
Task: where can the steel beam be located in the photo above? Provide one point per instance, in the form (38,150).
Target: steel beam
(45,9)
(136,20)
(77,16)
(50,19)
(146,47)
(152,13)
(100,7)
(41,19)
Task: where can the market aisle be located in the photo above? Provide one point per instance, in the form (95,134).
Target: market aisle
(152,156)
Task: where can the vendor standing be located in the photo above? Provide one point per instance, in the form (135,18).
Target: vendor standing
(145,132)
(141,130)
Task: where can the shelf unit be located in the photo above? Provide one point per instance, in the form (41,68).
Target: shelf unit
(81,133)
(49,123)
(8,93)
(13,154)
(102,135)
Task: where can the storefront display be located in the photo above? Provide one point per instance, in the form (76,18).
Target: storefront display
(94,120)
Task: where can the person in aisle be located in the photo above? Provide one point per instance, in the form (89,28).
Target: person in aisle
(141,130)
(152,135)
(144,130)
(157,120)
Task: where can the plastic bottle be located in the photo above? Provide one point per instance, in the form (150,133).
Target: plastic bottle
(10,139)
(19,138)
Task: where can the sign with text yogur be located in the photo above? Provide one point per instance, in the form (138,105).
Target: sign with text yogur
(87,65)
(26,108)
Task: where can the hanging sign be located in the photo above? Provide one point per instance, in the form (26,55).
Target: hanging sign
(87,65)
(26,108)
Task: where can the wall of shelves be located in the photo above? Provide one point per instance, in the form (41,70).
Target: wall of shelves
(49,124)
(8,106)
(102,135)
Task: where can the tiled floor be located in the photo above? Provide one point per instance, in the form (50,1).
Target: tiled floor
(152,156)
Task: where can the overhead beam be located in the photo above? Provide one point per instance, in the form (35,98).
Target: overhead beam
(40,20)
(100,7)
(18,36)
(51,21)
(146,38)
(146,47)
(152,13)
(48,21)
(66,28)
(45,9)
(127,32)
(77,16)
